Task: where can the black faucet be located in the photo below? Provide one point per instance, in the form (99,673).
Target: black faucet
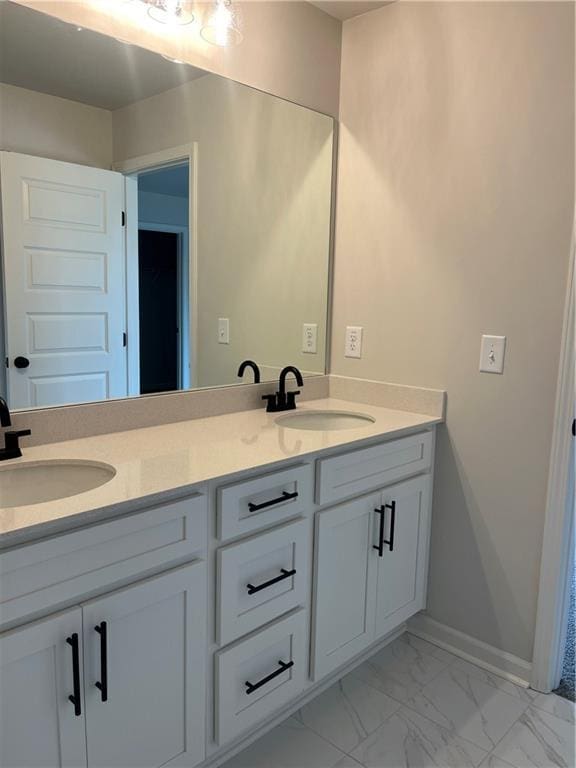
(11,448)
(249,364)
(5,420)
(282,400)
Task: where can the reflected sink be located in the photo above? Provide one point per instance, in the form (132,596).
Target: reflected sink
(325,421)
(35,482)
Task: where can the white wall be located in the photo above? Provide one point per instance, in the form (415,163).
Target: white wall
(455,206)
(264,180)
(46,126)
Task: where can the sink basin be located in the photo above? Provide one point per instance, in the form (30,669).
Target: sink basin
(37,481)
(324,421)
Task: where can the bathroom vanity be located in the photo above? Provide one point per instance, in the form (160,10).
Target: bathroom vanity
(229,571)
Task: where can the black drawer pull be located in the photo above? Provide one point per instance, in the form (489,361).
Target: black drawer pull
(381,540)
(251,687)
(284,574)
(285,497)
(102,685)
(75,697)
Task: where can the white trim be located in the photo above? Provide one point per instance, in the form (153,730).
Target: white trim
(551,615)
(501,663)
(165,157)
(132,287)
(193,260)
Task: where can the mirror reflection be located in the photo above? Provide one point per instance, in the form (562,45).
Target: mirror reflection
(160,224)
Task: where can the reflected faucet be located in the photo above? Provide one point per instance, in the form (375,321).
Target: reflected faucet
(11,448)
(249,364)
(5,420)
(282,400)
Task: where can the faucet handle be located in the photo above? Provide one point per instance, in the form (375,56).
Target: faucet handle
(12,448)
(272,401)
(13,435)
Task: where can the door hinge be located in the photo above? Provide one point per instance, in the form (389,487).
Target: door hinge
(123,218)
(124,339)
(7,363)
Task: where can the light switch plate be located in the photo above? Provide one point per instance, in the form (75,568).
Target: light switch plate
(492,352)
(309,338)
(353,346)
(223,330)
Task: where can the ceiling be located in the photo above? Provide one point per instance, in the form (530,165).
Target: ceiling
(36,51)
(347,9)
(166,181)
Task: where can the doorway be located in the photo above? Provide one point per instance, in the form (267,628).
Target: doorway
(159,292)
(161,200)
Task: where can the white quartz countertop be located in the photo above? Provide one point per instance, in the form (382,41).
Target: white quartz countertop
(166,459)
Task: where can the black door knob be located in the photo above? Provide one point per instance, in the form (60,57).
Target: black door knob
(21,362)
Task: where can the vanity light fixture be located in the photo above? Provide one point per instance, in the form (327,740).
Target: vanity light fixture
(222,26)
(169,11)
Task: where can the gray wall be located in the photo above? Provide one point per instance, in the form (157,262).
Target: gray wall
(455,207)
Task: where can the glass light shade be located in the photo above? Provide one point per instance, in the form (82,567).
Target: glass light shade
(222,27)
(169,11)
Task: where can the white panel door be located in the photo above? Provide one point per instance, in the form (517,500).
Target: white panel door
(403,562)
(39,726)
(64,281)
(148,655)
(345,583)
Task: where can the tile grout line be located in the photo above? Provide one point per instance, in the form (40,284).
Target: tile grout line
(449,730)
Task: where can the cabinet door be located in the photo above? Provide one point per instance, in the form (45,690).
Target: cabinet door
(145,645)
(39,726)
(403,562)
(345,583)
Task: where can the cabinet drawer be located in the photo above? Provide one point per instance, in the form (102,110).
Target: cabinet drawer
(260,579)
(263,501)
(74,564)
(357,472)
(259,675)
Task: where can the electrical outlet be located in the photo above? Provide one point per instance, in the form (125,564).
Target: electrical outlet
(223,330)
(492,354)
(353,346)
(309,338)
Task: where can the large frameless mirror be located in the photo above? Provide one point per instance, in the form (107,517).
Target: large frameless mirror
(160,224)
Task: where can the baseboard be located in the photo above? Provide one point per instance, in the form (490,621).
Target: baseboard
(501,663)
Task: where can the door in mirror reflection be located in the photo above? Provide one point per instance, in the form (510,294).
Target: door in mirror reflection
(64,267)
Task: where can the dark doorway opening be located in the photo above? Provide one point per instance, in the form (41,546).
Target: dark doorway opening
(158,254)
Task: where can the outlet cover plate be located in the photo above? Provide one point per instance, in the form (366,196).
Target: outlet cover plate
(353,345)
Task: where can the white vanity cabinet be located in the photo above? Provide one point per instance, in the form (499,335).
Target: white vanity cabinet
(38,724)
(167,636)
(371,562)
(114,682)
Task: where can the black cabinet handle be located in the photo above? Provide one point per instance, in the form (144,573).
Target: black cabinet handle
(380,546)
(102,685)
(283,666)
(381,540)
(75,697)
(285,497)
(284,574)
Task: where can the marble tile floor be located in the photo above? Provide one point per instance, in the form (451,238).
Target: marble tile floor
(414,705)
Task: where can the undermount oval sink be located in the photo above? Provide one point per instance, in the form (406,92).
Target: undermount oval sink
(36,482)
(325,421)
